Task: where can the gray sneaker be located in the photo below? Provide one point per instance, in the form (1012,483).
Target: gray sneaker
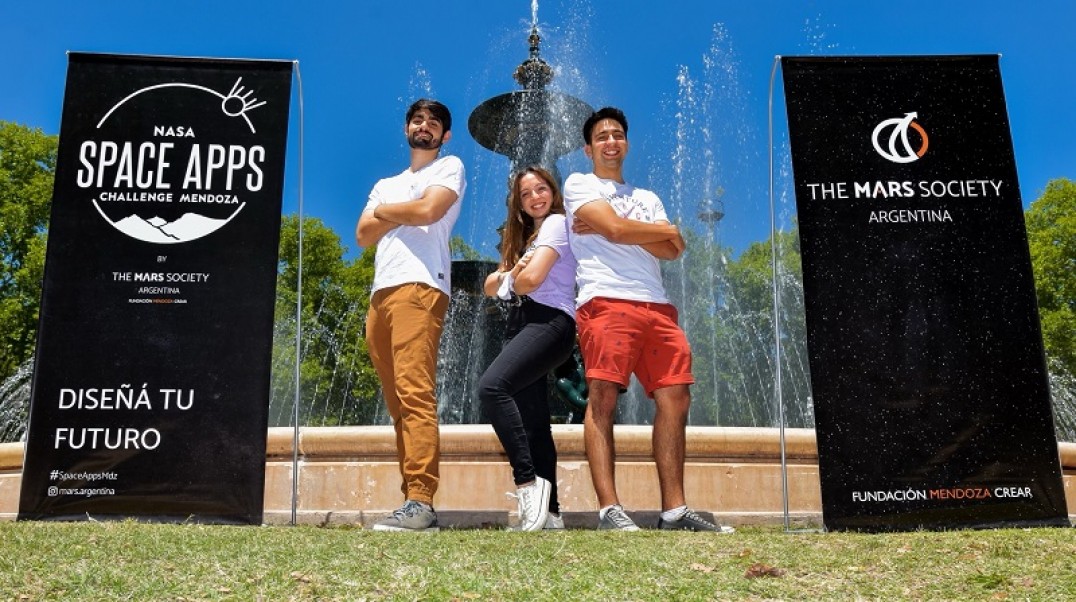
(533,504)
(615,519)
(691,521)
(412,516)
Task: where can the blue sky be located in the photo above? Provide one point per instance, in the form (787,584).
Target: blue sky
(693,78)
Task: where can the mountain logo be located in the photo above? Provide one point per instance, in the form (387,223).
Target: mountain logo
(214,166)
(190,226)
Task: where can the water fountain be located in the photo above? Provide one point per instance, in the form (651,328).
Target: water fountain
(531,126)
(15,402)
(725,302)
(474,328)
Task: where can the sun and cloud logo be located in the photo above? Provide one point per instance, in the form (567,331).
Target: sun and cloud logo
(174,185)
(236,103)
(898,146)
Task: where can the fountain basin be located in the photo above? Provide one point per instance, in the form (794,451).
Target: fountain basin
(528,125)
(348,475)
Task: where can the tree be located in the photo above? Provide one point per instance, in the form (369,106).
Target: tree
(1051,237)
(461,250)
(1051,229)
(726,308)
(752,330)
(337,382)
(27,165)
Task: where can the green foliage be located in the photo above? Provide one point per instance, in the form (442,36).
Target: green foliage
(27,164)
(752,277)
(461,250)
(338,383)
(726,307)
(1051,228)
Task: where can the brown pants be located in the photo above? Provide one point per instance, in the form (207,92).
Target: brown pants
(403,333)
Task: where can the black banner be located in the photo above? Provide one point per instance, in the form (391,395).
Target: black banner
(151,385)
(927,367)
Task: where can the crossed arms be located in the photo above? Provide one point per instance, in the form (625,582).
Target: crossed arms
(528,274)
(423,211)
(660,239)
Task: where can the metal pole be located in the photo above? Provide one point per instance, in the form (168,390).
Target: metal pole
(298,316)
(776,307)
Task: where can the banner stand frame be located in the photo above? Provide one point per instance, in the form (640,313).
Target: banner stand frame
(298,314)
(224,482)
(778,393)
(927,370)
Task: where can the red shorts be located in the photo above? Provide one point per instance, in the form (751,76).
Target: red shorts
(619,337)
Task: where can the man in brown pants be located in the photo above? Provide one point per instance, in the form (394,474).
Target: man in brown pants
(409,217)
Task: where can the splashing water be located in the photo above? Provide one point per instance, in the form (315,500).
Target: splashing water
(15,402)
(727,315)
(1063,393)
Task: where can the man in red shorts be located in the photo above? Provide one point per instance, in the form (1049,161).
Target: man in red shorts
(626,323)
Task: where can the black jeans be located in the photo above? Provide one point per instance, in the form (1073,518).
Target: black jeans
(514,393)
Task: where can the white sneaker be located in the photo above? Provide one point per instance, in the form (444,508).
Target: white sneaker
(533,505)
(555,522)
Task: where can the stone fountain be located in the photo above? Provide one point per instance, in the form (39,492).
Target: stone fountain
(531,126)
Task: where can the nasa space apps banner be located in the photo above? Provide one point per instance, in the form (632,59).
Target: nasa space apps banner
(151,384)
(931,397)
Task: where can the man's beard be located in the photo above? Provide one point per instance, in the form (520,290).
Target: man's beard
(431,144)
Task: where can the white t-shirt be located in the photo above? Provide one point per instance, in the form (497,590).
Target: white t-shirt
(418,253)
(558,288)
(608,269)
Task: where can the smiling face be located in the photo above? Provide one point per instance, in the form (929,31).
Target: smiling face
(532,197)
(608,148)
(425,131)
(535,196)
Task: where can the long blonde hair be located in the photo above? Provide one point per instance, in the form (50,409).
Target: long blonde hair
(519,230)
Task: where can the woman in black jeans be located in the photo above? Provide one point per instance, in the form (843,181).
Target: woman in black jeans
(537,277)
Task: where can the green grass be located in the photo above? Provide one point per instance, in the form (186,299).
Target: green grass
(133,561)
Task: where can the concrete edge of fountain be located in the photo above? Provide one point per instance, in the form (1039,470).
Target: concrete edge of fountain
(349,475)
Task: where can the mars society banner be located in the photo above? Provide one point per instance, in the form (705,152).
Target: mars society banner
(151,383)
(932,402)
